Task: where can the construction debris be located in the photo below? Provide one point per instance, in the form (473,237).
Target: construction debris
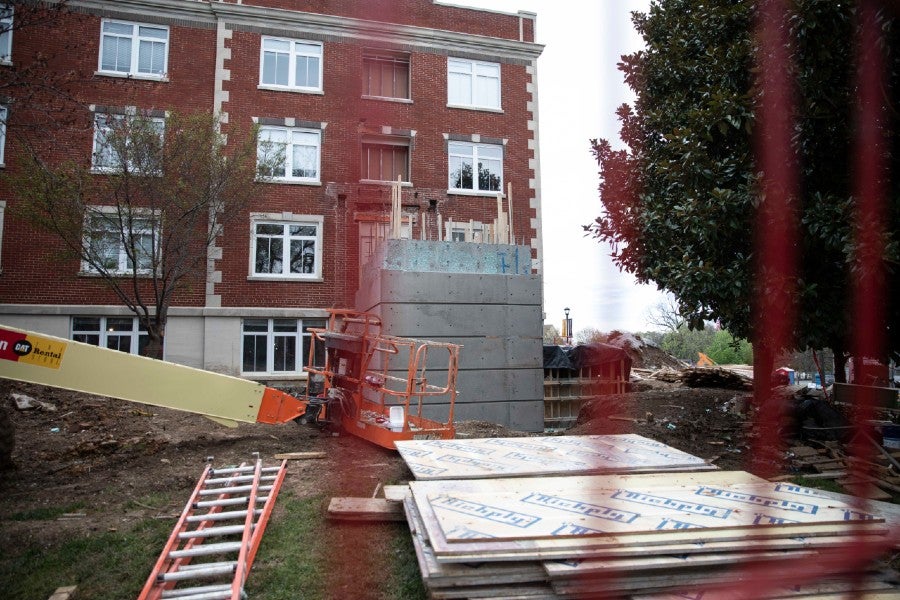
(300,455)
(723,377)
(64,593)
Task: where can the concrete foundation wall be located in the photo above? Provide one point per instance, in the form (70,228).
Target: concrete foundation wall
(495,316)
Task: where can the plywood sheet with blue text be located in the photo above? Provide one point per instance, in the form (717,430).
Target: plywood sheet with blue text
(550,455)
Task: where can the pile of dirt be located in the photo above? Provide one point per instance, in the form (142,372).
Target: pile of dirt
(643,354)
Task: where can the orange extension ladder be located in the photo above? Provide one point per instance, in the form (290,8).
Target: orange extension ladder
(238,489)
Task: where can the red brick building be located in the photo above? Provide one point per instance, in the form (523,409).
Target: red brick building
(354,93)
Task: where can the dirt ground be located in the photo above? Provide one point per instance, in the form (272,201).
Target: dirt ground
(95,451)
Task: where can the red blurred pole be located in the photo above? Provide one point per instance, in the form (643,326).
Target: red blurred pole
(776,228)
(870,191)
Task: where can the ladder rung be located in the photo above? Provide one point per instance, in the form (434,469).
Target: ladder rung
(213,472)
(199,571)
(195,591)
(234,490)
(206,550)
(222,516)
(228,501)
(211,532)
(233,480)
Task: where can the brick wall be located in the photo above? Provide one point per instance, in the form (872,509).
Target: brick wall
(31,276)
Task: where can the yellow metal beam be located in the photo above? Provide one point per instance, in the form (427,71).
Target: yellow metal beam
(57,362)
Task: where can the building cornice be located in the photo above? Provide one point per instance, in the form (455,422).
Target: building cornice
(327,27)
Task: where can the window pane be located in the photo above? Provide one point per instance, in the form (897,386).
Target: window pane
(489,176)
(92,339)
(460,173)
(255,325)
(283,325)
(151,57)
(120,28)
(119,342)
(459,87)
(277,45)
(269,229)
(86,324)
(303,256)
(254,359)
(487,92)
(153,32)
(309,230)
(401,80)
(269,255)
(304,162)
(119,324)
(285,353)
(116,55)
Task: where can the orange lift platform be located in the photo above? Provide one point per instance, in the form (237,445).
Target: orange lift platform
(376,386)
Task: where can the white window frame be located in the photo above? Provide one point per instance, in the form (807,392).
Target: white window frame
(286,221)
(266,132)
(4,115)
(6,37)
(296,51)
(101,127)
(2,215)
(470,83)
(136,42)
(122,267)
(105,332)
(454,152)
(300,336)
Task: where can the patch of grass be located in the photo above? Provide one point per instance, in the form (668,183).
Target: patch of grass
(46,513)
(829,485)
(291,562)
(155,500)
(105,566)
(406,579)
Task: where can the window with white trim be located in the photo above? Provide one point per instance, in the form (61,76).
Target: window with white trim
(119,244)
(127,140)
(4,112)
(475,167)
(278,346)
(116,333)
(290,64)
(384,159)
(473,84)
(286,249)
(385,75)
(6,32)
(133,49)
(289,153)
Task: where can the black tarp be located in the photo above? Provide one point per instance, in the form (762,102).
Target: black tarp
(585,356)
(556,357)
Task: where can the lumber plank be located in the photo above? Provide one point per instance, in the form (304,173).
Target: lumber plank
(365,509)
(300,455)
(64,593)
(396,493)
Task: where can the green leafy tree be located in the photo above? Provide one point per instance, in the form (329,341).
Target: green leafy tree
(680,201)
(726,350)
(143,212)
(686,343)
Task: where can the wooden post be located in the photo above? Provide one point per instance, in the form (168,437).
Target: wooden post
(512,237)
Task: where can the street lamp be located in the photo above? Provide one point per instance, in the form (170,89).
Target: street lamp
(567,327)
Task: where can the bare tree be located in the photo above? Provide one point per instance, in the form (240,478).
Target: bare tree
(665,315)
(590,335)
(142,215)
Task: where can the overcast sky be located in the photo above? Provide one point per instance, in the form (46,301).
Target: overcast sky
(579,89)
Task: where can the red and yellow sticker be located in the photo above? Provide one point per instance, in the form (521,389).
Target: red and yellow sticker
(31,349)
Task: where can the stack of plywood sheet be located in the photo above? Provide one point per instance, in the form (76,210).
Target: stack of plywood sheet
(622,535)
(540,456)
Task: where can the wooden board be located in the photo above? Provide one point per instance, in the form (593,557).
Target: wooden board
(678,540)
(396,493)
(534,456)
(365,509)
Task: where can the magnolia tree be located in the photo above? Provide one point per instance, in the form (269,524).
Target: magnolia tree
(143,214)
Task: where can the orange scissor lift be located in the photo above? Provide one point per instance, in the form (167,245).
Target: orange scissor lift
(375,386)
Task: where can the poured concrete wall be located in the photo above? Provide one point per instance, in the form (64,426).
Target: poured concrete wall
(482,296)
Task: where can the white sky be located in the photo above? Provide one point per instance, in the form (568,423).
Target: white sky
(579,88)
